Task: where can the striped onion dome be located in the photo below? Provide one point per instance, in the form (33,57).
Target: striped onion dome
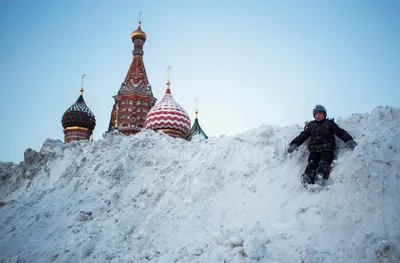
(79,115)
(168,115)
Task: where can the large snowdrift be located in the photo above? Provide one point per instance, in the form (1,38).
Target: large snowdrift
(152,198)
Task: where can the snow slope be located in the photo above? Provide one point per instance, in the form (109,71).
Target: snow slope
(152,198)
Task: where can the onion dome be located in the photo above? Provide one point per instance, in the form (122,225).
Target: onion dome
(196,131)
(168,116)
(79,115)
(138,33)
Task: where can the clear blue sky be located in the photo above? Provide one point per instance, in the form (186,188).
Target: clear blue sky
(250,62)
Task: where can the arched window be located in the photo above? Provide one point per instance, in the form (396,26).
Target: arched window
(141,110)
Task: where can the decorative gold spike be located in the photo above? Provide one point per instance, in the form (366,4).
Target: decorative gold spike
(116,115)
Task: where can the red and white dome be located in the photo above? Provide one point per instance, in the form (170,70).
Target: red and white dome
(168,116)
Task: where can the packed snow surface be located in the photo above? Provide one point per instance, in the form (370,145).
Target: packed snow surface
(152,198)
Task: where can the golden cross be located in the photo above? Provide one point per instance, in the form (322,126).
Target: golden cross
(140,17)
(169,72)
(196,105)
(83,77)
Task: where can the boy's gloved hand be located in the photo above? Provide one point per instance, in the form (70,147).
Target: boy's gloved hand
(292,147)
(351,144)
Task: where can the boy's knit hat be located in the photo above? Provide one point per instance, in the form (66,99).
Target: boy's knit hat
(319,108)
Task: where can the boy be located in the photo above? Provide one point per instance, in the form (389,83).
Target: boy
(322,145)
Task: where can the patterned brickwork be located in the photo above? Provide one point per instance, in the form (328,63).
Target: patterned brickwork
(76,134)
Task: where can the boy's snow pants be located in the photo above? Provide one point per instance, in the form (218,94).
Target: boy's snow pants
(318,163)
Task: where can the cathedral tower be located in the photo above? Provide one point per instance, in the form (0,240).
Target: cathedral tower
(135,97)
(78,120)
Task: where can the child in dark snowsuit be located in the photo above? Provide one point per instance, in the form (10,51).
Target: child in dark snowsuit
(322,145)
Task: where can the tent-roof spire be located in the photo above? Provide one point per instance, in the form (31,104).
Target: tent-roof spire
(135,95)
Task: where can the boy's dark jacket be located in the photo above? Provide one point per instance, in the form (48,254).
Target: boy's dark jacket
(322,135)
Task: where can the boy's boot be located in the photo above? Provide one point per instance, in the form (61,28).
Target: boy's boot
(308,178)
(309,173)
(322,172)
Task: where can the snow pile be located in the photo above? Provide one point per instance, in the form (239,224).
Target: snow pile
(152,198)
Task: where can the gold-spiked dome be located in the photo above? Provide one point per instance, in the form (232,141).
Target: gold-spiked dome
(138,33)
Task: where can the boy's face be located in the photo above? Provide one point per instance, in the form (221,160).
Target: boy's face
(318,116)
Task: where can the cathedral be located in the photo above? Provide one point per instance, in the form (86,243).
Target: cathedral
(134,106)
